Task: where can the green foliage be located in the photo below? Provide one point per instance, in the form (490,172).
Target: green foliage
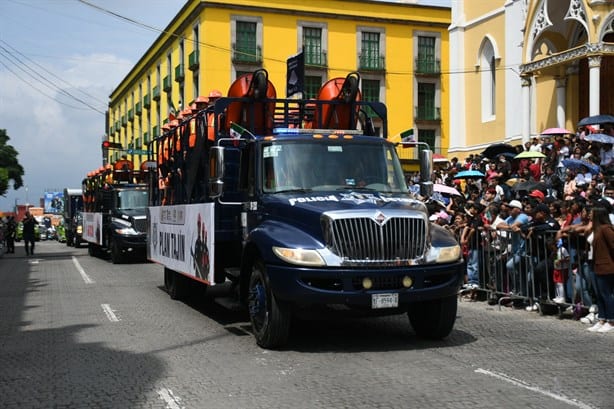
(10,169)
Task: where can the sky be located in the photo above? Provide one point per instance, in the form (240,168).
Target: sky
(59,62)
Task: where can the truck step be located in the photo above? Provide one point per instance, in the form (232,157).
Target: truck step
(229,303)
(232,273)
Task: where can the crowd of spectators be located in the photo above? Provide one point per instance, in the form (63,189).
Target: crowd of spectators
(541,213)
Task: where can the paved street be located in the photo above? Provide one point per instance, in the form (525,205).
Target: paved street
(80,332)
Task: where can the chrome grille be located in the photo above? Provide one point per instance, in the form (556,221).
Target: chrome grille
(364,240)
(140,225)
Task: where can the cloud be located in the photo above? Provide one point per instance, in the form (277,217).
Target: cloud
(58,138)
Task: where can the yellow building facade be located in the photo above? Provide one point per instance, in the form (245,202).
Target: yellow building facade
(519,67)
(400,51)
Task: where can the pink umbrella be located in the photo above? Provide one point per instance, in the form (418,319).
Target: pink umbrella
(438,187)
(556,131)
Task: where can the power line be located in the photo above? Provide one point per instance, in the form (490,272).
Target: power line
(42,78)
(38,89)
(52,74)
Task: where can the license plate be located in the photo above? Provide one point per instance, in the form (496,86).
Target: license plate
(384,300)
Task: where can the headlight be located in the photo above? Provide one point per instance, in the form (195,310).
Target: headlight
(127,231)
(301,257)
(79,229)
(444,254)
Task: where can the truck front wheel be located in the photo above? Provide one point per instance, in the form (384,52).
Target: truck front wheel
(270,317)
(433,319)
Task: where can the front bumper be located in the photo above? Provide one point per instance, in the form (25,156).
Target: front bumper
(344,286)
(134,242)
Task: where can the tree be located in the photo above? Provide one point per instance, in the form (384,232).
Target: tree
(10,169)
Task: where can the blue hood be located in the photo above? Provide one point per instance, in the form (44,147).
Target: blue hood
(304,210)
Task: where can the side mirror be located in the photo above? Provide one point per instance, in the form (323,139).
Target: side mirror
(216,171)
(426,170)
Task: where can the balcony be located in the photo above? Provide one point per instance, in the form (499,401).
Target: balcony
(155,131)
(156,93)
(428,114)
(246,55)
(193,60)
(138,108)
(146,101)
(167,85)
(130,115)
(117,126)
(369,62)
(428,66)
(145,138)
(124,120)
(179,73)
(316,59)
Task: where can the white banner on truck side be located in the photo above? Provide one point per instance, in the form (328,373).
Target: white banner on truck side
(92,228)
(181,237)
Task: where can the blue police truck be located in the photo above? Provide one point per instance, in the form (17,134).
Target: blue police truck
(293,204)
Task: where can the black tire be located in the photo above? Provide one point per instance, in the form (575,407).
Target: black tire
(270,318)
(117,256)
(433,319)
(175,284)
(92,250)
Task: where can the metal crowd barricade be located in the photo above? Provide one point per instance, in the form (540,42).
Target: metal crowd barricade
(531,282)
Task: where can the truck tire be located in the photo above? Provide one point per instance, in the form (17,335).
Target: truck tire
(175,284)
(270,317)
(433,319)
(116,253)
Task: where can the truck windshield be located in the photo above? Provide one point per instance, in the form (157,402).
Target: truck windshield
(132,199)
(331,165)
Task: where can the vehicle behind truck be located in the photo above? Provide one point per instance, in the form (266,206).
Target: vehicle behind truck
(73,204)
(298,205)
(115,206)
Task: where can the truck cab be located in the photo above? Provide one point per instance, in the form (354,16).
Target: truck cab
(114,220)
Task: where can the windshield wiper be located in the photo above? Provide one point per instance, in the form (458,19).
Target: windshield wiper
(295,190)
(368,189)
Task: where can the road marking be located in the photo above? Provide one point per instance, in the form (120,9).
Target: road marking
(109,313)
(172,401)
(524,385)
(81,271)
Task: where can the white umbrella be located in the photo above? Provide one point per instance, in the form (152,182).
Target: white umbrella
(438,187)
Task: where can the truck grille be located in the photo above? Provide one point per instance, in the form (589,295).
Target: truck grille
(372,240)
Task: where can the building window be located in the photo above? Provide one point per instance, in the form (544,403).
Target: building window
(488,80)
(370,93)
(428,136)
(312,85)
(246,49)
(427,62)
(312,45)
(195,90)
(370,55)
(426,111)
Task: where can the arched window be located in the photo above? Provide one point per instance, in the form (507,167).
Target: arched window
(488,80)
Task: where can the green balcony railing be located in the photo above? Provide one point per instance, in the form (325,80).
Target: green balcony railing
(167,86)
(428,66)
(155,131)
(146,101)
(130,115)
(145,138)
(156,93)
(124,120)
(138,108)
(193,60)
(428,113)
(246,55)
(316,59)
(369,62)
(179,73)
